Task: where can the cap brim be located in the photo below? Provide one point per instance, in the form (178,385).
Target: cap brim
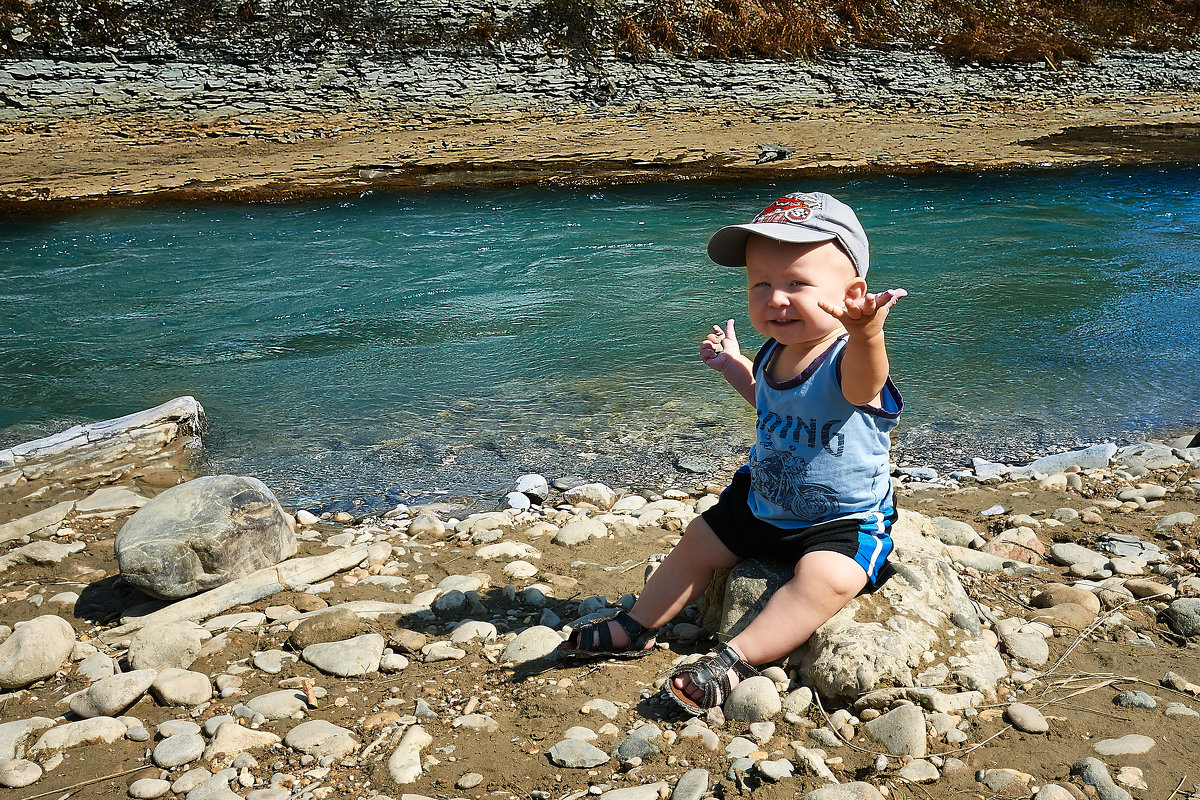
(727,246)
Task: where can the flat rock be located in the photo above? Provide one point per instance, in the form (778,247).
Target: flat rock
(844,791)
(1065,615)
(1095,457)
(321,738)
(1068,553)
(35,651)
(1131,744)
(334,625)
(692,785)
(110,696)
(919,771)
(181,687)
(901,731)
(231,740)
(202,534)
(283,704)
(346,659)
(854,652)
(98,730)
(148,788)
(577,754)
(272,661)
(579,531)
(14,735)
(646,791)
(596,494)
(159,645)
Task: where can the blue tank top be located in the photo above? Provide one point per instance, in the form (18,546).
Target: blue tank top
(816,457)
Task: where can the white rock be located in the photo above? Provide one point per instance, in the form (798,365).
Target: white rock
(35,651)
(321,738)
(404,765)
(17,772)
(98,730)
(181,687)
(231,740)
(346,659)
(110,696)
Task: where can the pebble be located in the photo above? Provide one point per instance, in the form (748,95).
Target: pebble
(1094,773)
(1183,615)
(776,770)
(919,771)
(753,700)
(1027,718)
(469,781)
(174,727)
(177,750)
(149,788)
(1136,699)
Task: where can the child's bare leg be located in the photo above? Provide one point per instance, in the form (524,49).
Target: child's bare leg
(679,579)
(823,582)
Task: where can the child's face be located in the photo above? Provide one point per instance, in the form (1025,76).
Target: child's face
(787,280)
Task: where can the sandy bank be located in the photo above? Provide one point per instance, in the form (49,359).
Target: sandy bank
(111,160)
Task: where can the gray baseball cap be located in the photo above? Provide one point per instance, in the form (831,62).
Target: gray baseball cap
(800,217)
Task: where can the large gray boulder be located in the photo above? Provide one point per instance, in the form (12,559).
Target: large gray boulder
(921,618)
(202,534)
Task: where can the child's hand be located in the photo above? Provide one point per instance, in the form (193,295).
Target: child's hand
(865,316)
(720,347)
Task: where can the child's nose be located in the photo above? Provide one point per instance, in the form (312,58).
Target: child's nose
(779,298)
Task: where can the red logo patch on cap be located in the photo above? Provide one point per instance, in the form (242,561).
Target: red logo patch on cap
(790,209)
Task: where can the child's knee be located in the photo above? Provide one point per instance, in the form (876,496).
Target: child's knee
(839,575)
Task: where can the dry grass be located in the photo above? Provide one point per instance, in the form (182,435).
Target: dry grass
(1029,31)
(966,31)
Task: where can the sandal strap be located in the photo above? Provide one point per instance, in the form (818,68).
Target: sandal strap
(631,625)
(595,637)
(710,674)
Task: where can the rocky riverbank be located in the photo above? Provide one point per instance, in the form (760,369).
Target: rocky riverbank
(1039,639)
(78,132)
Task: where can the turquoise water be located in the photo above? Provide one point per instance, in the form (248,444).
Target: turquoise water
(394,347)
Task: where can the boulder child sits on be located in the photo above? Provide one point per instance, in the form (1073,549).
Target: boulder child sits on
(816,491)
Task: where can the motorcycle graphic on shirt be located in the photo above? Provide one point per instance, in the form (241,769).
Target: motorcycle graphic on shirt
(781,477)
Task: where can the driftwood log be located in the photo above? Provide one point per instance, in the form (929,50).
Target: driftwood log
(255,586)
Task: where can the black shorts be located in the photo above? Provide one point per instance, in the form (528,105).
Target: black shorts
(868,541)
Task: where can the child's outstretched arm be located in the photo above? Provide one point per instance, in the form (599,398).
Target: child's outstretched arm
(719,350)
(865,363)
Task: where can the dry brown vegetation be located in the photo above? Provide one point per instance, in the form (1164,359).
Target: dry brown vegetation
(965,31)
(983,31)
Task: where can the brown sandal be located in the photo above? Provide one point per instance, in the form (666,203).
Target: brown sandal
(710,674)
(591,639)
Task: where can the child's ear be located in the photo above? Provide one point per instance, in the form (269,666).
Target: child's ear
(856,289)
